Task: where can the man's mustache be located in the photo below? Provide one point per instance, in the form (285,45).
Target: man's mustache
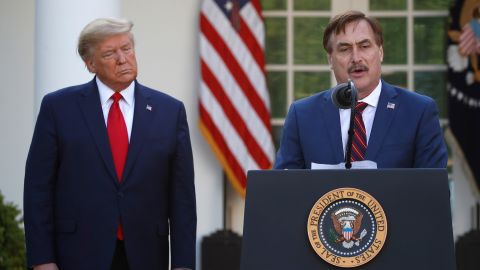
(357,68)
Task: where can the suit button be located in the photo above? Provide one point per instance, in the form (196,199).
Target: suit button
(120,194)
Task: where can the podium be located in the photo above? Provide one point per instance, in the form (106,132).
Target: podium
(416,203)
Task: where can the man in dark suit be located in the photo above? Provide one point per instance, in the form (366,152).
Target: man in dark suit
(401,128)
(109,179)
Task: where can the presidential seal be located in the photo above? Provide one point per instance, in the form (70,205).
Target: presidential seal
(347,227)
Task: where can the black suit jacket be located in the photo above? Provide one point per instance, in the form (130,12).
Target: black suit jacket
(406,132)
(73,200)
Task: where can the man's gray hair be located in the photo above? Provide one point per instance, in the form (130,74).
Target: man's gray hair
(99,29)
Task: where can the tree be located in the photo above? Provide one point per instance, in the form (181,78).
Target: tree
(12,238)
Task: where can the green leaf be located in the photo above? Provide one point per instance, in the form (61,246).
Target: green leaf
(12,237)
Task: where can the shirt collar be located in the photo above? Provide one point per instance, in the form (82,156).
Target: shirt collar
(373,98)
(106,93)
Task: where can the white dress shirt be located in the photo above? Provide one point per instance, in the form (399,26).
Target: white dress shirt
(368,115)
(127,103)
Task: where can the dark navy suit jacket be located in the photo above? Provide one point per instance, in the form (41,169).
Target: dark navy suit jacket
(405,136)
(73,200)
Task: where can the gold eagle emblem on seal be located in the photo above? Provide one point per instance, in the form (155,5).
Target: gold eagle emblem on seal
(347,227)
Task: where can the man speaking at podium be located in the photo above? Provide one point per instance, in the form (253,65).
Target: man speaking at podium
(394,127)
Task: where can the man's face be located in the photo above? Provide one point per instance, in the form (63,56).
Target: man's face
(113,61)
(356,55)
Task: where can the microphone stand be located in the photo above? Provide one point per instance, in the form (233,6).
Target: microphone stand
(348,154)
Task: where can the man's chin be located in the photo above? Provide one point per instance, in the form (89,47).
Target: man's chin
(361,81)
(358,76)
(124,72)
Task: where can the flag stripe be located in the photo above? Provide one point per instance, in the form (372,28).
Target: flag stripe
(230,35)
(467,40)
(217,24)
(226,129)
(238,73)
(253,46)
(231,163)
(257,7)
(231,113)
(235,68)
(228,84)
(234,102)
(254,23)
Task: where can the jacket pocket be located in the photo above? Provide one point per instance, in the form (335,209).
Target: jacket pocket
(65,226)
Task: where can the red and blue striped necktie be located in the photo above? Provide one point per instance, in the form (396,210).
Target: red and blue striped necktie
(359,142)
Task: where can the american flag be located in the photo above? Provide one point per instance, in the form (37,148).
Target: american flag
(468,41)
(234,100)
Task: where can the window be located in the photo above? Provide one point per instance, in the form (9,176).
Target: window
(415,45)
(296,62)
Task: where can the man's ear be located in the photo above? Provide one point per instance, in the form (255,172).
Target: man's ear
(381,54)
(329,59)
(90,65)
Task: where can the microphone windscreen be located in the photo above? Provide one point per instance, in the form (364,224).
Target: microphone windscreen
(342,96)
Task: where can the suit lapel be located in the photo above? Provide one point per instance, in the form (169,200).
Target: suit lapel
(383,118)
(91,108)
(331,118)
(142,117)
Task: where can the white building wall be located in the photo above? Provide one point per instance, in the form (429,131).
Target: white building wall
(57,26)
(16,94)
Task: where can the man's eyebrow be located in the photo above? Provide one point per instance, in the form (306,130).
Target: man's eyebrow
(345,43)
(340,44)
(367,40)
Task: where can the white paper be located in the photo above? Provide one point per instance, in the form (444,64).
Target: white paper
(364,164)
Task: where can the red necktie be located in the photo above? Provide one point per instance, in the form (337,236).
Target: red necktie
(359,142)
(118,137)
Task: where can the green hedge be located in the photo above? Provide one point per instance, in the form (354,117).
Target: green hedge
(12,237)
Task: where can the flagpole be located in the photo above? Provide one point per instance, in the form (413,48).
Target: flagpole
(224,201)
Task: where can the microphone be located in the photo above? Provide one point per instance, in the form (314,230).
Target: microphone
(344,95)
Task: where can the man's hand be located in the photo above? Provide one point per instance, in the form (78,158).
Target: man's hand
(47,266)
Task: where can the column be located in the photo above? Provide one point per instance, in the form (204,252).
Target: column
(57,26)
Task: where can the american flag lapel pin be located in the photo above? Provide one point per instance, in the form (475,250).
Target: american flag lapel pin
(149,108)
(390,105)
